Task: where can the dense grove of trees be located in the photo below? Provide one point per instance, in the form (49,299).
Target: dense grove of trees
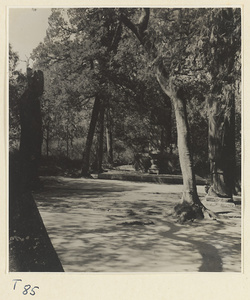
(121,83)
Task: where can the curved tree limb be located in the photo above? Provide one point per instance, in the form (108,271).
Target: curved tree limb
(139,28)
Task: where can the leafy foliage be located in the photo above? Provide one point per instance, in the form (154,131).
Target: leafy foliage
(17,83)
(87,52)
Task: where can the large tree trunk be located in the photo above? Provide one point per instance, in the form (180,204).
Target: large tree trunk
(101,134)
(191,207)
(186,162)
(86,154)
(221,143)
(221,109)
(109,138)
(190,195)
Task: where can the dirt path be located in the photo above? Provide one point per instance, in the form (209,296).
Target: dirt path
(114,226)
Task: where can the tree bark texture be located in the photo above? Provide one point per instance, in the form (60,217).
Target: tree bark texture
(93,121)
(190,195)
(221,143)
(101,134)
(109,137)
(186,162)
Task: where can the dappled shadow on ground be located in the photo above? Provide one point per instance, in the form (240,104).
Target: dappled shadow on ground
(89,188)
(211,260)
(99,226)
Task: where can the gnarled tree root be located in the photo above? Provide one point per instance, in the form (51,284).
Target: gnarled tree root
(208,214)
(190,212)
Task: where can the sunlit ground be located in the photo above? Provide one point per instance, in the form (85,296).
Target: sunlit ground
(115,226)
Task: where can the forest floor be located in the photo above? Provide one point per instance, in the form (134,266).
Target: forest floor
(120,226)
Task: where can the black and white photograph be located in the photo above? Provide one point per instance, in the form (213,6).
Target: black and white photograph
(124,138)
(124,150)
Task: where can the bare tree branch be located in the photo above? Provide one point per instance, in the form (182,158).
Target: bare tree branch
(131,26)
(139,28)
(116,37)
(143,22)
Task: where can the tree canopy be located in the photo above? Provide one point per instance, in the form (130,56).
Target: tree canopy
(89,52)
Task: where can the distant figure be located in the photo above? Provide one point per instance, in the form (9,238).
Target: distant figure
(31,129)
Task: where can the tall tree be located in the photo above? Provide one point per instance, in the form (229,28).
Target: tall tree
(109,138)
(17,84)
(88,54)
(223,50)
(91,131)
(106,67)
(91,35)
(197,49)
(101,135)
(191,206)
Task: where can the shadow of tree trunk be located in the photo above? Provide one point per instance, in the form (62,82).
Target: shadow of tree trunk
(211,260)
